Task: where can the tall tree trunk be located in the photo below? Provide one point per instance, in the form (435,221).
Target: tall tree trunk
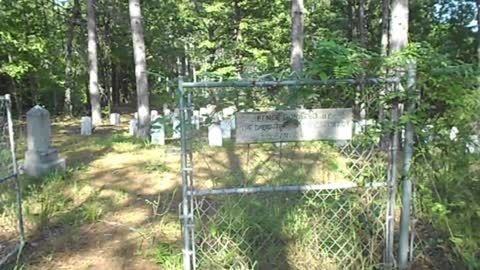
(362,26)
(93,67)
(478,34)
(297,36)
(140,69)
(68,108)
(398,37)
(351,19)
(385,26)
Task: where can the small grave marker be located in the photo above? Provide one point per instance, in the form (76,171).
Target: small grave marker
(86,126)
(215,135)
(115,119)
(153,115)
(158,131)
(226,127)
(133,127)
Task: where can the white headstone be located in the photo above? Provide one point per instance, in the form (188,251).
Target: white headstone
(86,126)
(115,119)
(473,145)
(133,127)
(215,135)
(226,127)
(228,111)
(40,157)
(153,115)
(135,115)
(196,119)
(166,110)
(453,133)
(203,115)
(176,128)
(210,109)
(157,132)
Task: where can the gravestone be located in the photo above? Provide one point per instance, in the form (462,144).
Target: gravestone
(157,131)
(133,127)
(166,110)
(135,115)
(115,119)
(40,157)
(453,133)
(215,135)
(153,115)
(233,122)
(203,115)
(228,111)
(86,126)
(176,128)
(196,119)
(226,127)
(473,145)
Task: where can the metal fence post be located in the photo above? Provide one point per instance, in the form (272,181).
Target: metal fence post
(187,252)
(405,221)
(18,189)
(392,185)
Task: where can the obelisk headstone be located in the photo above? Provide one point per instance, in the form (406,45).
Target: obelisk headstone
(40,157)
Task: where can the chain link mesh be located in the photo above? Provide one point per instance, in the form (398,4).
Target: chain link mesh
(320,226)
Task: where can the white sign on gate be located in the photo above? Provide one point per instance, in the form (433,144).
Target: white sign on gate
(294,125)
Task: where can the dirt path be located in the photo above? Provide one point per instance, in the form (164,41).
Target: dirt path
(118,183)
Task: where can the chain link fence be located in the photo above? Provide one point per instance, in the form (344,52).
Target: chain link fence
(12,234)
(295,205)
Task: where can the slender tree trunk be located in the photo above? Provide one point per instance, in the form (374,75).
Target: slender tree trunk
(297,36)
(351,19)
(385,26)
(478,34)
(398,37)
(362,26)
(92,67)
(140,69)
(68,107)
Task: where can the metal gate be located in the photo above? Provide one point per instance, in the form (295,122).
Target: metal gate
(296,205)
(12,232)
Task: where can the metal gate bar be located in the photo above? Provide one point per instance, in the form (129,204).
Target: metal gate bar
(13,176)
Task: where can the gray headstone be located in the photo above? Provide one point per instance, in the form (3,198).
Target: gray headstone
(86,126)
(133,127)
(115,119)
(233,122)
(40,157)
(157,131)
(226,127)
(215,135)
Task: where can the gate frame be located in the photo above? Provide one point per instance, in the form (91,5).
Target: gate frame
(18,191)
(188,192)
